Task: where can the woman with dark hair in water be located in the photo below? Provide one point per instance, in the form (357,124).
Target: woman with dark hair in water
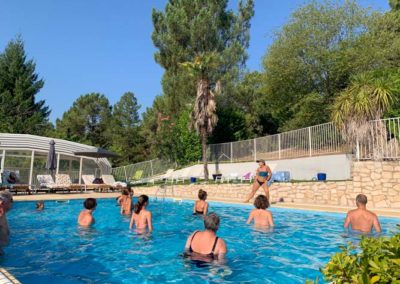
(141,217)
(201,206)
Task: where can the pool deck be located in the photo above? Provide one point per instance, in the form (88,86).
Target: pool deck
(322,208)
(7,278)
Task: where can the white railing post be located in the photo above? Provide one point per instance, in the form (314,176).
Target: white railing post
(126,176)
(58,163)
(151,167)
(279,146)
(255,149)
(358,150)
(309,140)
(231,152)
(31,169)
(80,170)
(2,161)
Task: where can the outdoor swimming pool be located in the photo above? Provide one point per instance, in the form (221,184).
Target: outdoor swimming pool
(48,246)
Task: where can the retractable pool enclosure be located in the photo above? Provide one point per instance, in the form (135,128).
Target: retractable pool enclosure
(26,155)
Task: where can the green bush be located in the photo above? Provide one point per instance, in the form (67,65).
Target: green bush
(376,261)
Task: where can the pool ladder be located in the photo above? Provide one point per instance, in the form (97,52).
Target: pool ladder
(162,190)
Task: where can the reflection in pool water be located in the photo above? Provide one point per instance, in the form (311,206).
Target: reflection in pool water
(49,247)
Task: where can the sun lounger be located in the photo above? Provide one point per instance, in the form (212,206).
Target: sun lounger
(65,180)
(47,184)
(89,185)
(109,179)
(14,187)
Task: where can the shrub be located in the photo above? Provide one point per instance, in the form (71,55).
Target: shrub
(377,260)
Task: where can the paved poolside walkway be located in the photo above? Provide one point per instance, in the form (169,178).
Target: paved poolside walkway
(321,208)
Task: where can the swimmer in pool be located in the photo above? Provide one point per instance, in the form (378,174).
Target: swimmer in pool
(205,245)
(6,202)
(86,216)
(263,175)
(129,189)
(40,205)
(361,219)
(261,216)
(126,202)
(141,217)
(201,206)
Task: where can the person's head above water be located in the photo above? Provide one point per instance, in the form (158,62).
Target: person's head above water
(90,203)
(125,191)
(40,205)
(261,202)
(202,194)
(361,200)
(211,222)
(143,200)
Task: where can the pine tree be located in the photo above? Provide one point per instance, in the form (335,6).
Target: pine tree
(87,121)
(211,40)
(20,111)
(126,138)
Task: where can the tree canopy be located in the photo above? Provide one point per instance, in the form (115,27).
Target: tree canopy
(20,110)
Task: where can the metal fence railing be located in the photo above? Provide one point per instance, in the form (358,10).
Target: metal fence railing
(306,142)
(381,141)
(142,170)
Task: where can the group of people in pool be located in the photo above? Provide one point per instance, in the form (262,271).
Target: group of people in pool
(206,245)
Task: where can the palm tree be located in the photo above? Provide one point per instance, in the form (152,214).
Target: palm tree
(367,98)
(204,117)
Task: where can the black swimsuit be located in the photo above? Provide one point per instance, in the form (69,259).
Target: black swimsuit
(211,254)
(198,213)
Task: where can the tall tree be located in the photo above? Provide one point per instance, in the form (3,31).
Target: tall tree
(395,5)
(20,111)
(314,54)
(212,40)
(87,121)
(125,130)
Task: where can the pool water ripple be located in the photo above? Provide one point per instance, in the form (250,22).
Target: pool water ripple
(48,246)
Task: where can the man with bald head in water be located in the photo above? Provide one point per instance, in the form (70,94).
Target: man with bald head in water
(362,219)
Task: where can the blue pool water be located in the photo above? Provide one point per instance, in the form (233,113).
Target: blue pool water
(48,246)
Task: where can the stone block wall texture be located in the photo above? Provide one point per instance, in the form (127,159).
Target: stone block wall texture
(379,181)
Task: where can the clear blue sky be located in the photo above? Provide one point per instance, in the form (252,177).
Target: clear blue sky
(83,46)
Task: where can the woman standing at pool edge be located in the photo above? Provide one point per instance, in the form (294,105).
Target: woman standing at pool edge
(263,175)
(141,217)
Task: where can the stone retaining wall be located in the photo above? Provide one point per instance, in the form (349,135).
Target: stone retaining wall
(380,181)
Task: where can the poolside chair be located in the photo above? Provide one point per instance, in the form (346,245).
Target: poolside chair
(231,177)
(14,187)
(181,176)
(109,179)
(65,180)
(137,177)
(162,178)
(89,185)
(248,177)
(47,184)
